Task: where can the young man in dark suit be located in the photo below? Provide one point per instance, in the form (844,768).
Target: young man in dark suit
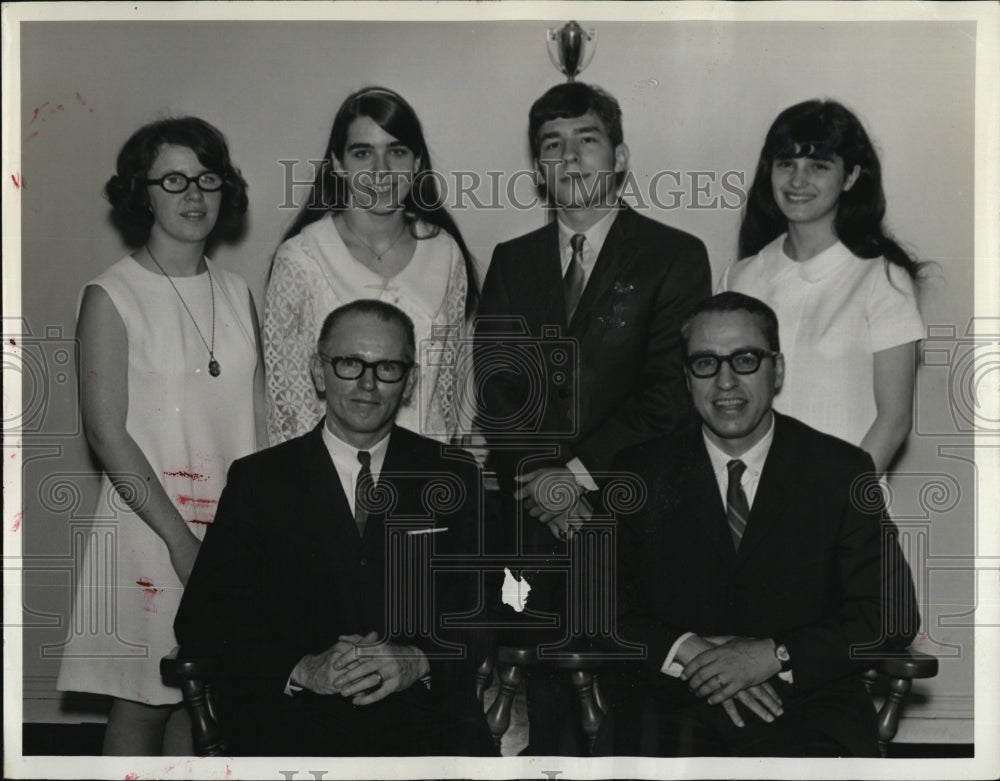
(762,573)
(578,352)
(315,585)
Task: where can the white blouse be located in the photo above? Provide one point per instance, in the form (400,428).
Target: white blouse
(835,311)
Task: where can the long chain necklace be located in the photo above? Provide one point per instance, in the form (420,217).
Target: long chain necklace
(366,245)
(213,365)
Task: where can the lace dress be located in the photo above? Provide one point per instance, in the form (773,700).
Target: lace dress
(313,274)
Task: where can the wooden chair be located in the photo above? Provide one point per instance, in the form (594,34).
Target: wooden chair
(193,676)
(899,673)
(511,662)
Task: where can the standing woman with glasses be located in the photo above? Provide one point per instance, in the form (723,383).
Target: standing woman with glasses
(813,247)
(171,389)
(374,227)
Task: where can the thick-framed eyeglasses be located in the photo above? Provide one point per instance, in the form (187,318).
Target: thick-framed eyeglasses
(747,361)
(350,368)
(176,182)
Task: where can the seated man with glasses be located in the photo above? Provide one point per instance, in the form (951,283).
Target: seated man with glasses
(762,572)
(334,581)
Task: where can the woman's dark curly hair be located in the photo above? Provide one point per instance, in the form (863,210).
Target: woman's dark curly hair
(390,111)
(127,190)
(819,129)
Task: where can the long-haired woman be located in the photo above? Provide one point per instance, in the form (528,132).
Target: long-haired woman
(813,246)
(374,227)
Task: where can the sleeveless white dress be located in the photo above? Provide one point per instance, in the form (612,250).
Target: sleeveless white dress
(190,426)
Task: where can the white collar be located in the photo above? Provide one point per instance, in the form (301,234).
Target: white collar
(754,458)
(596,234)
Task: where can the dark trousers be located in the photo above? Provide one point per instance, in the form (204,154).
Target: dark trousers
(666,720)
(409,723)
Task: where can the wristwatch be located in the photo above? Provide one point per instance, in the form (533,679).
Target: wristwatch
(781,652)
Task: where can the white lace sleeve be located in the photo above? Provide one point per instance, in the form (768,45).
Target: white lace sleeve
(293,406)
(448,392)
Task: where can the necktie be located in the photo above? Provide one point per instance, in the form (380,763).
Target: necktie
(573,280)
(362,489)
(737,507)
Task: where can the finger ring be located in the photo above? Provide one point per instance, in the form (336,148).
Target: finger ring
(721,681)
(381,680)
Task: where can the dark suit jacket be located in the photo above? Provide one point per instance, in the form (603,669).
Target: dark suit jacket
(629,385)
(816,558)
(283,571)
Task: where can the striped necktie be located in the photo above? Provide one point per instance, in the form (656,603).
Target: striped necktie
(737,507)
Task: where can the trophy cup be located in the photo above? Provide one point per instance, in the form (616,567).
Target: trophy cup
(571,48)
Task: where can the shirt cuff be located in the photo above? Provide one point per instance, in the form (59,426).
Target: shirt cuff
(291,688)
(581,475)
(669,666)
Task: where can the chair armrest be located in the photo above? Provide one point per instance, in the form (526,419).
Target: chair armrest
(914,665)
(177,666)
(901,670)
(192,675)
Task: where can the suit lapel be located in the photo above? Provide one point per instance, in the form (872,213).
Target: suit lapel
(709,510)
(546,285)
(616,255)
(329,510)
(770,502)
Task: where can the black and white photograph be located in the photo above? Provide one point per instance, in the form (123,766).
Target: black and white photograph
(501,390)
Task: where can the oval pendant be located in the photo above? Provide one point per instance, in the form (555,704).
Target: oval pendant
(213,368)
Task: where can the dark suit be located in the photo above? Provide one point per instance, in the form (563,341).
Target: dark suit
(626,386)
(283,572)
(629,386)
(817,556)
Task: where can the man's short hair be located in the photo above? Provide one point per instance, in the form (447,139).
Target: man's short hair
(570,100)
(731,301)
(369,306)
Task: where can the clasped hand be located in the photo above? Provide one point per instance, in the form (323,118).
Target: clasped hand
(553,496)
(736,668)
(361,668)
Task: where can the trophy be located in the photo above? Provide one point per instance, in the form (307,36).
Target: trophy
(571,48)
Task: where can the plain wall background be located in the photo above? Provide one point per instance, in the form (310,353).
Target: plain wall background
(696,96)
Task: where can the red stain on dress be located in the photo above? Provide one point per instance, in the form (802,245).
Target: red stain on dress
(16,181)
(184,501)
(185,473)
(16,526)
(198,506)
(149,592)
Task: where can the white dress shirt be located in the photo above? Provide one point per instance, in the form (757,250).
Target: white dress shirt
(345,461)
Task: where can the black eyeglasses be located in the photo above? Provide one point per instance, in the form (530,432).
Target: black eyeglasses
(349,368)
(747,361)
(176,182)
